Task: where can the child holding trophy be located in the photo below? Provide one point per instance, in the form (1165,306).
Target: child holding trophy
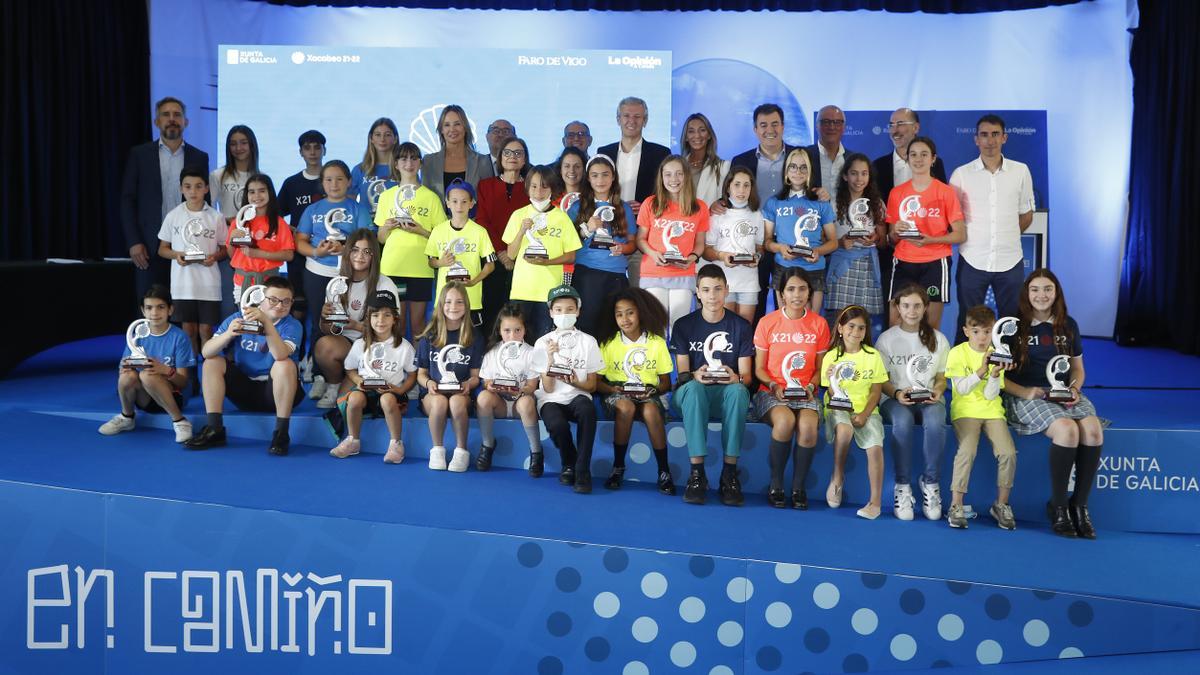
(915,355)
(260,239)
(637,370)
(854,277)
(606,225)
(449,355)
(460,249)
(1043,396)
(154,368)
(853,374)
(736,241)
(382,367)
(509,383)
(671,232)
(799,227)
(789,344)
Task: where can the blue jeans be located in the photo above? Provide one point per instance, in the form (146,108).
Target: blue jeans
(932,416)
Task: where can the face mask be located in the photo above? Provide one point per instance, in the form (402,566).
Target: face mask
(738,205)
(540,205)
(564,321)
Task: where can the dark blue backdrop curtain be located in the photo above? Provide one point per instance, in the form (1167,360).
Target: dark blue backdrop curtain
(929,6)
(1160,276)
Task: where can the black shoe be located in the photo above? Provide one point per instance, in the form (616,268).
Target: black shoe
(614,481)
(583,483)
(696,488)
(1061,523)
(1082,522)
(567,477)
(537,464)
(776,498)
(208,437)
(279,443)
(800,500)
(666,484)
(483,461)
(731,489)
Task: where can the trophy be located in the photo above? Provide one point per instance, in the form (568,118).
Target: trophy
(444,358)
(405,194)
(334,290)
(634,360)
(137,359)
(743,243)
(603,238)
(509,383)
(794,390)
(671,253)
(561,368)
(332,233)
(375,188)
(457,271)
(371,370)
(919,371)
(244,215)
(1001,353)
(842,371)
(859,213)
(252,296)
(568,200)
(716,342)
(536,250)
(1056,369)
(192,232)
(910,208)
(809,222)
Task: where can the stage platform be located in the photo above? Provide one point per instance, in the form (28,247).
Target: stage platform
(366,567)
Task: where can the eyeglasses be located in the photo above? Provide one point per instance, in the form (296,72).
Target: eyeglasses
(899,125)
(362,252)
(276,302)
(832,123)
(578,135)
(503,130)
(797,167)
(512,154)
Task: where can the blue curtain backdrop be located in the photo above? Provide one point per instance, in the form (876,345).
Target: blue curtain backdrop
(1160,287)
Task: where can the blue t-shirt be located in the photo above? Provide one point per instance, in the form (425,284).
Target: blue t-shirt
(1042,346)
(366,189)
(250,352)
(347,215)
(784,213)
(173,348)
(600,258)
(689,333)
(469,357)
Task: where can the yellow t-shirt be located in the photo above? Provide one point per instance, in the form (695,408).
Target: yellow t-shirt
(961,362)
(657,360)
(533,282)
(869,369)
(472,248)
(404,252)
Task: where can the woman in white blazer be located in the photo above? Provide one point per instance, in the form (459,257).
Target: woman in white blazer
(699,144)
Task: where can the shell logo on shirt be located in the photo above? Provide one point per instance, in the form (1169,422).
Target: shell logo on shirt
(356,304)
(794,338)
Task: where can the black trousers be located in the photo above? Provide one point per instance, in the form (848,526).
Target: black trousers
(558,417)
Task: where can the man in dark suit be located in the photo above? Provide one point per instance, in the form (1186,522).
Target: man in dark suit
(828,154)
(150,189)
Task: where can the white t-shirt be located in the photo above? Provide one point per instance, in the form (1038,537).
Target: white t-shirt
(227,194)
(394,367)
(194,282)
(898,346)
(737,231)
(583,356)
(523,368)
(357,308)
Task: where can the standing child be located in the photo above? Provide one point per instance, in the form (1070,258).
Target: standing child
(736,233)
(450,350)
(671,232)
(299,191)
(462,242)
(272,243)
(600,272)
(797,205)
(854,277)
(509,363)
(396,367)
(634,327)
(376,173)
(862,424)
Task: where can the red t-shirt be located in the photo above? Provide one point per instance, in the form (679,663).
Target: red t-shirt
(496,206)
(282,241)
(780,336)
(685,241)
(932,211)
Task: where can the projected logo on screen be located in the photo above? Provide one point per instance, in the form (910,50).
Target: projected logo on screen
(423,130)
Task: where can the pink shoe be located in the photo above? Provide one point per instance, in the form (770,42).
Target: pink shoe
(347,448)
(395,452)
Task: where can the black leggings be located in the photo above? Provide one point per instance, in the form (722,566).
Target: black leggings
(594,287)
(558,418)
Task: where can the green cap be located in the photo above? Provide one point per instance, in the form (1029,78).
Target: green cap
(564,291)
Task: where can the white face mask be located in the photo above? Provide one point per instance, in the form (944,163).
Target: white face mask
(738,205)
(540,205)
(564,321)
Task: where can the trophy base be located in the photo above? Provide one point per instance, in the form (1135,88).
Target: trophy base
(674,259)
(507,388)
(374,383)
(909,234)
(998,359)
(460,278)
(795,394)
(858,234)
(560,373)
(1060,396)
(251,328)
(743,259)
(194,257)
(920,395)
(843,404)
(338,317)
(634,389)
(802,251)
(536,254)
(712,376)
(602,244)
(448,387)
(135,362)
(242,242)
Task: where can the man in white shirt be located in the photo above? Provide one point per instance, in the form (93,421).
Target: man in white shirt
(828,155)
(996,194)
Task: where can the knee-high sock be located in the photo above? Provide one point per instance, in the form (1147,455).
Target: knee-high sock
(778,459)
(1061,460)
(1087,463)
(534,434)
(487,427)
(802,458)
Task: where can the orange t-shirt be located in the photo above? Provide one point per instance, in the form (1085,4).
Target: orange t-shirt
(779,336)
(932,211)
(282,241)
(685,242)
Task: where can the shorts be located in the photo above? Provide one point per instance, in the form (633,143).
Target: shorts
(870,435)
(253,395)
(933,276)
(763,401)
(414,289)
(610,404)
(744,298)
(154,408)
(198,311)
(816,279)
(373,407)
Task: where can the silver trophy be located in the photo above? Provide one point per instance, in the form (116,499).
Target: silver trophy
(138,330)
(535,249)
(909,209)
(1001,353)
(794,390)
(805,224)
(842,371)
(405,194)
(375,188)
(743,243)
(859,213)
(713,344)
(335,216)
(561,367)
(244,215)
(634,361)
(373,366)
(603,239)
(568,200)
(508,358)
(193,231)
(334,290)
(671,253)
(1057,369)
(252,296)
(444,358)
(920,374)
(457,271)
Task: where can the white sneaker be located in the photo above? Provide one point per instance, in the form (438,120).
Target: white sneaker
(460,460)
(328,398)
(183,430)
(117,424)
(395,452)
(437,458)
(347,448)
(931,500)
(902,502)
(318,387)
(833,496)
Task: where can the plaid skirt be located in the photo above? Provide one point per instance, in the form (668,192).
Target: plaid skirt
(857,286)
(1029,417)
